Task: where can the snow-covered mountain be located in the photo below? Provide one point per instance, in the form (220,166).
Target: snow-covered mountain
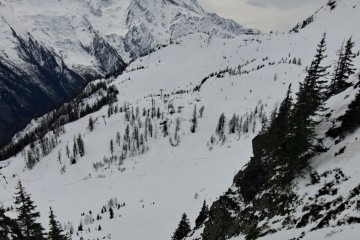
(144,159)
(53,48)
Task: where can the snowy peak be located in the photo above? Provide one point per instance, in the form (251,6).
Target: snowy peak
(165,20)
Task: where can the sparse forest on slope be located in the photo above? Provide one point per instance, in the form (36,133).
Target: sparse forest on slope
(47,58)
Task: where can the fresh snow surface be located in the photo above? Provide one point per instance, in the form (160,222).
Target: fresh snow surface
(160,185)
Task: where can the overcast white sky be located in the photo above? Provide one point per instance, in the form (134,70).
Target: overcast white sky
(266,15)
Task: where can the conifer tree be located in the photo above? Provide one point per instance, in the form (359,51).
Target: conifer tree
(183,229)
(233,124)
(313,88)
(91,124)
(201,111)
(280,126)
(111,212)
(343,70)
(80,227)
(112,147)
(203,215)
(118,138)
(220,129)
(30,162)
(81,146)
(75,148)
(55,231)
(194,121)
(127,134)
(67,150)
(27,215)
(309,103)
(165,128)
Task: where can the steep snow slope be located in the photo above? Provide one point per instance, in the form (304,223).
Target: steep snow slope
(327,208)
(161,182)
(331,203)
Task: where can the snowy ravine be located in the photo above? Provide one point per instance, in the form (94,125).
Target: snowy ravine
(162,178)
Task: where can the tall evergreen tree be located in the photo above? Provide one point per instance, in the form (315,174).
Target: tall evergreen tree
(81,146)
(309,103)
(183,229)
(112,147)
(194,121)
(55,231)
(91,124)
(233,124)
(203,215)
(343,70)
(280,118)
(75,148)
(111,212)
(220,129)
(312,90)
(27,215)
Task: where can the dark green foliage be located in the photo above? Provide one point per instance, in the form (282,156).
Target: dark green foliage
(80,227)
(75,148)
(220,129)
(301,141)
(194,121)
(111,147)
(91,124)
(55,231)
(27,215)
(311,93)
(111,212)
(9,228)
(350,120)
(270,152)
(81,146)
(203,215)
(183,229)
(233,124)
(165,128)
(343,70)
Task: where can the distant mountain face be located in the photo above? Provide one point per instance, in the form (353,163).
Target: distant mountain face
(50,49)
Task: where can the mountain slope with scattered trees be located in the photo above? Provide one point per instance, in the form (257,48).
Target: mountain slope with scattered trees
(151,153)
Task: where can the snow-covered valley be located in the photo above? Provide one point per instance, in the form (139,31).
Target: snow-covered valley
(151,177)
